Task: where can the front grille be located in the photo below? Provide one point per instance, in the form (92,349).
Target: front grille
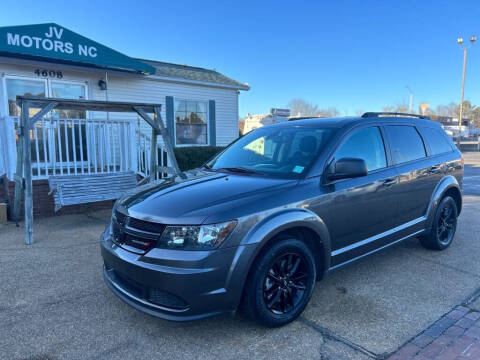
(146,225)
(164,298)
(150,294)
(121,218)
(139,242)
(136,233)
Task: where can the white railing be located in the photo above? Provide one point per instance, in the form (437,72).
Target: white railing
(7,147)
(81,146)
(144,146)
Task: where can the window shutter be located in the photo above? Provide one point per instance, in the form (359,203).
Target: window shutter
(169,111)
(211,123)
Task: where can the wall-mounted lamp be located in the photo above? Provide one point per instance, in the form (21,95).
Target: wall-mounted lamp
(102,84)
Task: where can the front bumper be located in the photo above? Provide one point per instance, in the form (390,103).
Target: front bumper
(186,285)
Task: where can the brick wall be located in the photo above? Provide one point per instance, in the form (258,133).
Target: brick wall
(43,204)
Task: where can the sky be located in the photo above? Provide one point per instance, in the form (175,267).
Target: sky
(353,55)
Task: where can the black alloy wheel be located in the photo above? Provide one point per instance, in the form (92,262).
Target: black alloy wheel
(285,283)
(443,227)
(280,282)
(446,223)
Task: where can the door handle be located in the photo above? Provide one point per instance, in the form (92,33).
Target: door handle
(434,169)
(389,182)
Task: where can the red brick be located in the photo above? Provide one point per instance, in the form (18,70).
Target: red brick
(454,331)
(396,357)
(463,309)
(420,357)
(443,340)
(473,316)
(408,350)
(431,351)
(43,204)
(464,323)
(473,332)
(472,352)
(422,340)
(460,345)
(455,314)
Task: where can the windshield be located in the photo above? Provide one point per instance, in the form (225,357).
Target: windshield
(280,152)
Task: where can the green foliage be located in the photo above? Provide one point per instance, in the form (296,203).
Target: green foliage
(192,157)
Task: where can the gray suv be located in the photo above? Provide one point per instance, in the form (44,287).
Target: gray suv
(279,208)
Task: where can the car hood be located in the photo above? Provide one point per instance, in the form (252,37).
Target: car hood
(193,199)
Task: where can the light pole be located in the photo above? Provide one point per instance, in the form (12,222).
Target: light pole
(473,38)
(410,103)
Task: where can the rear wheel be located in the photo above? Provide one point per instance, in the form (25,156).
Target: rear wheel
(444,226)
(280,283)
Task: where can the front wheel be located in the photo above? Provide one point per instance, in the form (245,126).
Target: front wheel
(444,226)
(280,283)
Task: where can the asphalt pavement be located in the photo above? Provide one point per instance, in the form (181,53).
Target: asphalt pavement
(54,304)
(471,178)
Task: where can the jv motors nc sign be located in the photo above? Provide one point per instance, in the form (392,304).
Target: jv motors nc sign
(56,42)
(51,41)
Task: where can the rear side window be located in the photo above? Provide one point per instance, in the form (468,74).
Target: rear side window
(406,143)
(366,144)
(436,140)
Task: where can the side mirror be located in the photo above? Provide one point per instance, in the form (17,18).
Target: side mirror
(346,168)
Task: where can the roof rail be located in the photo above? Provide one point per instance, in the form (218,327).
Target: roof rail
(393,114)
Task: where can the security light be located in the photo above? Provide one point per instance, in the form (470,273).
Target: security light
(102,84)
(460,41)
(473,39)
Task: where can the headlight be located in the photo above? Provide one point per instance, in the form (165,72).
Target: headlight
(203,237)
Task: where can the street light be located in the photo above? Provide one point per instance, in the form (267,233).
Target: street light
(410,103)
(473,38)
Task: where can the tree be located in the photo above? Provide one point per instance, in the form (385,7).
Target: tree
(328,112)
(300,107)
(450,109)
(399,108)
(241,125)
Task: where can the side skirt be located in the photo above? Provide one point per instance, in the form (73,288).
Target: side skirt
(375,250)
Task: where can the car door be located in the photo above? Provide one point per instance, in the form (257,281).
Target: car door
(364,208)
(416,174)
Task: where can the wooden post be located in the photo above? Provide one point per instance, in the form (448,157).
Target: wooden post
(25,126)
(27,171)
(160,128)
(166,140)
(18,177)
(153,153)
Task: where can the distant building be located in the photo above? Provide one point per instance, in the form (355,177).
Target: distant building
(254,121)
(450,124)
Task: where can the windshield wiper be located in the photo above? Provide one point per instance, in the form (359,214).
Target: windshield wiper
(241,170)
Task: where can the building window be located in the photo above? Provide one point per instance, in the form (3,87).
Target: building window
(16,87)
(65,90)
(191,122)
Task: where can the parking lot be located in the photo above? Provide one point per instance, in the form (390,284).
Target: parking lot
(53,303)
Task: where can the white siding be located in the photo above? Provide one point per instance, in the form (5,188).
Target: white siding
(134,88)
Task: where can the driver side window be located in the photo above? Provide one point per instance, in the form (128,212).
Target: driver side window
(366,144)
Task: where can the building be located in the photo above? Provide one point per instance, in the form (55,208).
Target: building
(253,121)
(450,124)
(199,106)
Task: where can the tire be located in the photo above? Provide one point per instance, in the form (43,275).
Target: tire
(280,283)
(444,226)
